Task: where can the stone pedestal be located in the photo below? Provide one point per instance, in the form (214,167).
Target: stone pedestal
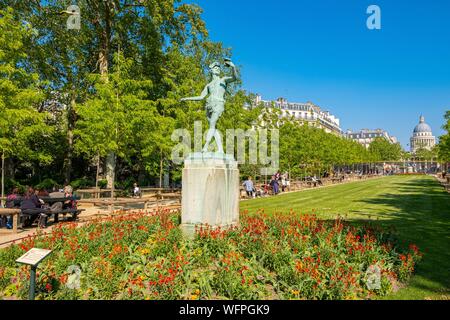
(210,193)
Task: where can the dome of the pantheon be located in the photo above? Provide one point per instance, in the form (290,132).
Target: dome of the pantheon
(422,127)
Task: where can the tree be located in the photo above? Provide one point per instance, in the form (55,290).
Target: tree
(382,150)
(107,118)
(306,150)
(144,30)
(21,125)
(443,148)
(424,154)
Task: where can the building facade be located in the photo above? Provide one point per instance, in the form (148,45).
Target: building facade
(306,112)
(422,137)
(367,136)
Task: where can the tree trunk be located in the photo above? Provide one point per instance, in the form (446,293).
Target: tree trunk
(161,161)
(110,168)
(3,177)
(97,195)
(70,125)
(113,177)
(9,168)
(110,159)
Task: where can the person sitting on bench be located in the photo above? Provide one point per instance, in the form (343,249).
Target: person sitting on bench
(10,204)
(54,208)
(316,181)
(30,201)
(11,199)
(68,193)
(136,191)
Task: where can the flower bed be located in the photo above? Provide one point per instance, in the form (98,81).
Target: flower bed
(144,256)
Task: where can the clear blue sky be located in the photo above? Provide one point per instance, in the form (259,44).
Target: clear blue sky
(322,51)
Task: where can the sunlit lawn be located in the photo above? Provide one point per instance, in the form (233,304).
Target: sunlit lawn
(416,206)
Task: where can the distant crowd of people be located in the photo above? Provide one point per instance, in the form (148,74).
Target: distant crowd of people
(277,181)
(31,199)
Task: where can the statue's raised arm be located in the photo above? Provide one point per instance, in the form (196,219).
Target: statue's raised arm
(234,74)
(200,97)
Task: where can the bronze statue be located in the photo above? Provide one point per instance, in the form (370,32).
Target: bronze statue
(215,102)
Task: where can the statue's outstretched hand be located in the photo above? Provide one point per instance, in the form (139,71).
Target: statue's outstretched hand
(230,64)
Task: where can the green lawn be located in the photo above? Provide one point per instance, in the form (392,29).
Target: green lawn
(416,206)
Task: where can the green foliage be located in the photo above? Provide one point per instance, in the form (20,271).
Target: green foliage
(102,183)
(46,184)
(167,42)
(304,148)
(425,154)
(11,184)
(126,184)
(82,183)
(443,148)
(382,150)
(22,126)
(105,120)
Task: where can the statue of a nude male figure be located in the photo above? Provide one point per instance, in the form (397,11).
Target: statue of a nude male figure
(215,102)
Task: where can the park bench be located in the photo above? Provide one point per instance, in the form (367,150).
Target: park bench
(147,201)
(74,212)
(29,216)
(93,193)
(310,183)
(97,193)
(337,179)
(313,183)
(296,185)
(144,191)
(15,213)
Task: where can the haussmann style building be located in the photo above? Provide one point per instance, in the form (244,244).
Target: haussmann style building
(367,136)
(307,112)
